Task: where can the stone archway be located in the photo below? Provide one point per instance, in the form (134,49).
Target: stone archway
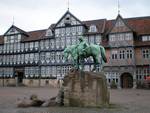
(126,80)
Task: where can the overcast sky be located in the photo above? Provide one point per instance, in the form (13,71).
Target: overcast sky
(40,14)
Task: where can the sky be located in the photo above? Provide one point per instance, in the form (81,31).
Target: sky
(32,15)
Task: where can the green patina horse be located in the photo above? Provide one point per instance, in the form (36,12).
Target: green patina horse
(79,53)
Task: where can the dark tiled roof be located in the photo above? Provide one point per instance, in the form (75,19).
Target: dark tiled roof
(140,25)
(34,35)
(100,24)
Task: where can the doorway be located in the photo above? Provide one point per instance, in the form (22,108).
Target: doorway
(20,77)
(126,80)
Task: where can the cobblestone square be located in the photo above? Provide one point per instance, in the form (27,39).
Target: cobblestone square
(122,101)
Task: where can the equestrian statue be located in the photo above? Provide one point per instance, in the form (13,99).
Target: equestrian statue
(84,50)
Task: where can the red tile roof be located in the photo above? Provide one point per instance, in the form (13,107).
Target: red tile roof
(35,35)
(100,24)
(140,25)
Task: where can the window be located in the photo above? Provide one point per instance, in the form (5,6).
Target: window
(68,41)
(146,38)
(57,56)
(68,31)
(26,46)
(93,28)
(53,71)
(122,54)
(18,47)
(16,38)
(129,54)
(43,57)
(11,39)
(22,47)
(36,71)
(79,30)
(128,36)
(73,30)
(146,53)
(62,40)
(8,49)
(31,58)
(53,57)
(43,70)
(26,72)
(47,57)
(15,59)
(18,59)
(47,71)
(42,44)
(98,39)
(114,54)
(56,32)
(52,44)
(31,45)
(7,59)
(47,44)
(36,57)
(58,42)
(92,39)
(112,37)
(22,58)
(15,47)
(36,45)
(49,32)
(26,58)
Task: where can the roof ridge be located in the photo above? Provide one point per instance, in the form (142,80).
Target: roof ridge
(131,18)
(36,30)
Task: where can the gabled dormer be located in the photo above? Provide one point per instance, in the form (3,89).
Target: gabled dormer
(69,25)
(68,19)
(120,26)
(14,34)
(15,30)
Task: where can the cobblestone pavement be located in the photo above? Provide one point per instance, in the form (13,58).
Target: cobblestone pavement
(122,101)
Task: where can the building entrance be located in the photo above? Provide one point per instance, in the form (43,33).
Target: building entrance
(126,80)
(19,74)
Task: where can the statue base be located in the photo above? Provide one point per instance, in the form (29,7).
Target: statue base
(85,89)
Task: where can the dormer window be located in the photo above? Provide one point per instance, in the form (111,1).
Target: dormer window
(49,32)
(146,38)
(93,28)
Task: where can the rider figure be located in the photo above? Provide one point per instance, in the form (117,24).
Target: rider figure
(83,44)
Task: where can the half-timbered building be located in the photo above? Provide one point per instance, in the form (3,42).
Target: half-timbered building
(35,58)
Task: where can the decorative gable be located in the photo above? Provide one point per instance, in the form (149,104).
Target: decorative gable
(12,31)
(68,20)
(15,30)
(120,26)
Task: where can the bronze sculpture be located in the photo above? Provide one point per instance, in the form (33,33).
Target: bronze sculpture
(84,50)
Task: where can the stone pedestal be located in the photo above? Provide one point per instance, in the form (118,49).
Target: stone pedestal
(85,89)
